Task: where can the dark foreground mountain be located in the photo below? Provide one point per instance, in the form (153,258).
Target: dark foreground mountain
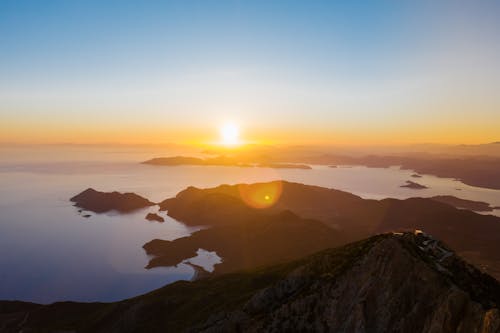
(387,283)
(101,202)
(347,216)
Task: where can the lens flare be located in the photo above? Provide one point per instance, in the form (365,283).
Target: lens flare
(261,195)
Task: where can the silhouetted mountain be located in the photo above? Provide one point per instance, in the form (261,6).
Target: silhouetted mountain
(222,161)
(482,171)
(477,206)
(100,202)
(250,241)
(387,283)
(474,235)
(476,165)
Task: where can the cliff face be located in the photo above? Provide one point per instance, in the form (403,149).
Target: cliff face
(387,283)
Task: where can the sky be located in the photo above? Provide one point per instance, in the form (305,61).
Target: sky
(348,72)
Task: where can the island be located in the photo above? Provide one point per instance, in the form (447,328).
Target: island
(154,217)
(101,202)
(221,161)
(413,185)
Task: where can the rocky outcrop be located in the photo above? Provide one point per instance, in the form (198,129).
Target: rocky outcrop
(101,202)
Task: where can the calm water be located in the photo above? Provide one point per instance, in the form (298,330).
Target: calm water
(50,252)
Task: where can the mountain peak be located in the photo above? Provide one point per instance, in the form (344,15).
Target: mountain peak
(392,282)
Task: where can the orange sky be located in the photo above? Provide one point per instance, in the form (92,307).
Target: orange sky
(84,133)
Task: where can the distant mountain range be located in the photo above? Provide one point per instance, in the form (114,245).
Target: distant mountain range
(473,165)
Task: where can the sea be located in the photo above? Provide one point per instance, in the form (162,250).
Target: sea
(50,252)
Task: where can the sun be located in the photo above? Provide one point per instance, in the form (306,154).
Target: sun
(230,134)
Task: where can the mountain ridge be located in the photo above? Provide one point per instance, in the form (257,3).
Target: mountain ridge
(393,282)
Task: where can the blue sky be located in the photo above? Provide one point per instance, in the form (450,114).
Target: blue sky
(340,69)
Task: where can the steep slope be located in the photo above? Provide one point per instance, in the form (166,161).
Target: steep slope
(387,283)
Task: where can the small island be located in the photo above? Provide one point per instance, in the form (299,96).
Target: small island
(101,202)
(413,185)
(221,161)
(154,217)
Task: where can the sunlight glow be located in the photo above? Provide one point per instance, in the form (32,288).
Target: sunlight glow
(229,134)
